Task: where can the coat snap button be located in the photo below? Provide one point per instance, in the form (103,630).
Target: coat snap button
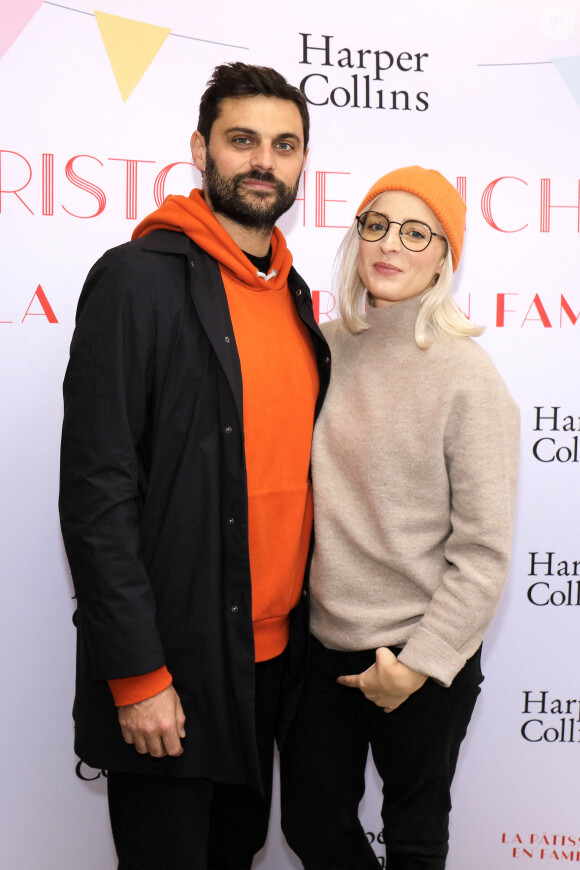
(299,292)
(231,521)
(234,608)
(228,430)
(227,339)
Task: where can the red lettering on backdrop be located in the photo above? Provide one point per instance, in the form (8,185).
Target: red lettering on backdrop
(546,205)
(564,306)
(467,310)
(515,839)
(486,203)
(537,304)
(131,185)
(9,160)
(316,294)
(316,304)
(501,310)
(48,184)
(322,199)
(15,190)
(45,305)
(83,184)
(302,198)
(159,185)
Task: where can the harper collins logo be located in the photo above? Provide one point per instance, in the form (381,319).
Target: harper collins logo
(353,77)
(562,446)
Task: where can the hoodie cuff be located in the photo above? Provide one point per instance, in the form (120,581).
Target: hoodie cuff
(131,690)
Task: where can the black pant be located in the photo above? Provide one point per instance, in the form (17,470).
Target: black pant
(169,823)
(415,751)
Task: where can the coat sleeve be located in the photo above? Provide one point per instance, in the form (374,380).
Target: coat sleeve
(106,393)
(482,453)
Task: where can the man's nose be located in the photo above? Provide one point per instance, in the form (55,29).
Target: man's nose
(263,158)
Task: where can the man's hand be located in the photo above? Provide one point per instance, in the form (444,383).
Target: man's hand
(387,683)
(155,725)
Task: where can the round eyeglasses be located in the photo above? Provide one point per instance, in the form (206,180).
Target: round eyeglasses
(372,226)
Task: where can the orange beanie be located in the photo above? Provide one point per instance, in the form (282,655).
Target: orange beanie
(441,197)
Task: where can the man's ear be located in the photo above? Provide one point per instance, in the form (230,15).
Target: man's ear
(304,159)
(198,151)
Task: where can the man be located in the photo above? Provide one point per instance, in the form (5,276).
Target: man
(196,373)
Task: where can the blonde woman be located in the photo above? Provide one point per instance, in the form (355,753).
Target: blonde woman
(414,464)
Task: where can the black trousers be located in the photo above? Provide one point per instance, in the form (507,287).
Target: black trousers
(170,823)
(414,749)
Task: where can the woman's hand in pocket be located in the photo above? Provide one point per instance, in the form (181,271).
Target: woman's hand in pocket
(388,683)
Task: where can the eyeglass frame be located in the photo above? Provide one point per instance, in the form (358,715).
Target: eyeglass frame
(400,225)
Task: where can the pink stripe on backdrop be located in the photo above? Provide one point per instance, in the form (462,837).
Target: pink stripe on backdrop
(15,16)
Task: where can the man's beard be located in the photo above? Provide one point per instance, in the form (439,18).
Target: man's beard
(254,210)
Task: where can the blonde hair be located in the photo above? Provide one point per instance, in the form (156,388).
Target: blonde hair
(439,313)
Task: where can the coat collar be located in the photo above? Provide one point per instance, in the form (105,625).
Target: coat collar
(166,242)
(209,298)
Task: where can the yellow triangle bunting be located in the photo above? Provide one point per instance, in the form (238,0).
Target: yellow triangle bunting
(131,46)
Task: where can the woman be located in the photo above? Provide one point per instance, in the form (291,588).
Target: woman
(414,468)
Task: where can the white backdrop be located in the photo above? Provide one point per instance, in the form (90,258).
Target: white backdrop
(93,108)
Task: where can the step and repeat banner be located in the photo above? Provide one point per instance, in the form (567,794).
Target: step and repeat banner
(97,107)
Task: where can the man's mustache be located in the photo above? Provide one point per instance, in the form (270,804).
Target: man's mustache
(257,175)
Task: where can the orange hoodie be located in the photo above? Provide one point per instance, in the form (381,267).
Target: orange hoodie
(280,389)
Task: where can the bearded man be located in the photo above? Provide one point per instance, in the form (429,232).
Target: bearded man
(196,373)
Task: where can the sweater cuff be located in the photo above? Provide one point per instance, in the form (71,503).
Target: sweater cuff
(428,654)
(131,690)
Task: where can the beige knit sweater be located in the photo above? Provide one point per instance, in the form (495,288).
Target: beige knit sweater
(414,461)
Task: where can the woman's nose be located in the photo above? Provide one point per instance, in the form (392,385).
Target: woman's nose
(391,240)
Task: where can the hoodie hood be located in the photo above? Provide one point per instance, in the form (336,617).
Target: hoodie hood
(191,215)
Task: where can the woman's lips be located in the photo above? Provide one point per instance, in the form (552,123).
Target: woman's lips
(386,269)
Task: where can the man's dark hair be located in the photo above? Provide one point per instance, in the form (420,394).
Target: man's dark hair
(242,80)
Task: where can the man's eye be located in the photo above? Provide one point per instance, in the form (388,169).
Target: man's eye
(242,140)
(285,146)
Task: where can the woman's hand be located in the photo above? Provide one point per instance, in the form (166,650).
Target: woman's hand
(387,683)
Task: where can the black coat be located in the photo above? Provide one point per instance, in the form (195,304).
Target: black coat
(154,506)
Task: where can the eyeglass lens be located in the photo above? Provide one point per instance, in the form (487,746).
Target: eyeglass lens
(414,235)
